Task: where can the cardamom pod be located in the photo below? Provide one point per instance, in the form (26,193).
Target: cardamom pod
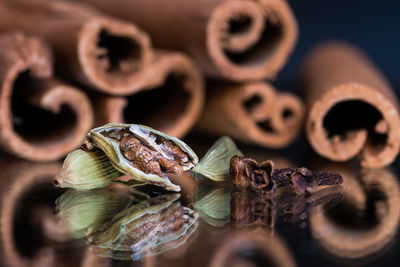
(215,164)
(144,154)
(86,170)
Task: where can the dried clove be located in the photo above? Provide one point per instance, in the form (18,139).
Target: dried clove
(263,178)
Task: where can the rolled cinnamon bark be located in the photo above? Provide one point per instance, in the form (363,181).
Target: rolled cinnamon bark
(367,220)
(170,99)
(237,40)
(352,109)
(253,113)
(90,48)
(41,117)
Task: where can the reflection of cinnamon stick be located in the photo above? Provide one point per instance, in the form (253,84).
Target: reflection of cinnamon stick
(270,250)
(366,221)
(18,179)
(42,118)
(239,40)
(89,48)
(170,100)
(352,109)
(254,113)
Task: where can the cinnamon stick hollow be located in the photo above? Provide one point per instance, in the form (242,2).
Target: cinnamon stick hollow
(41,117)
(237,40)
(170,99)
(352,108)
(90,48)
(253,113)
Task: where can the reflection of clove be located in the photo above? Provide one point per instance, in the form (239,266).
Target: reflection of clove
(367,220)
(247,173)
(249,209)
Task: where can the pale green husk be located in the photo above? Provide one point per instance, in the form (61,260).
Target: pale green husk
(111,147)
(215,164)
(84,170)
(212,202)
(82,211)
(116,241)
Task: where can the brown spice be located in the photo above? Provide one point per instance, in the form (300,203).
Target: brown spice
(247,173)
(146,159)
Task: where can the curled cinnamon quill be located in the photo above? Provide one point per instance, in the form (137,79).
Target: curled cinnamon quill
(254,113)
(353,111)
(92,49)
(238,40)
(42,118)
(168,96)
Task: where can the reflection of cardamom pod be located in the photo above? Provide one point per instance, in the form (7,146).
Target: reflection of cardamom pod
(147,156)
(212,202)
(81,211)
(147,228)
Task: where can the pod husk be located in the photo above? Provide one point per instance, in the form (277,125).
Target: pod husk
(86,170)
(215,164)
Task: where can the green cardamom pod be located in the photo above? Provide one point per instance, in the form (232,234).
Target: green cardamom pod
(215,164)
(86,170)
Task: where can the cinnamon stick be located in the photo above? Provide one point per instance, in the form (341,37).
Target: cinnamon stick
(41,117)
(253,113)
(90,48)
(237,40)
(352,108)
(170,99)
(367,220)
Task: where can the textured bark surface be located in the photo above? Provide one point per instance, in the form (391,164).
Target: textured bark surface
(352,109)
(237,40)
(171,97)
(89,48)
(41,117)
(253,113)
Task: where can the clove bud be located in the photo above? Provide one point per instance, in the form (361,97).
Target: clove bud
(247,173)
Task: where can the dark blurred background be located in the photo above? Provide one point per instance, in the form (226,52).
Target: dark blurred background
(373,25)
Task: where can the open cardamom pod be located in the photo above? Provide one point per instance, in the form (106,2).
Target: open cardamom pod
(144,154)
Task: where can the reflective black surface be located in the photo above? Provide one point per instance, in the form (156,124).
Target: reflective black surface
(355,223)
